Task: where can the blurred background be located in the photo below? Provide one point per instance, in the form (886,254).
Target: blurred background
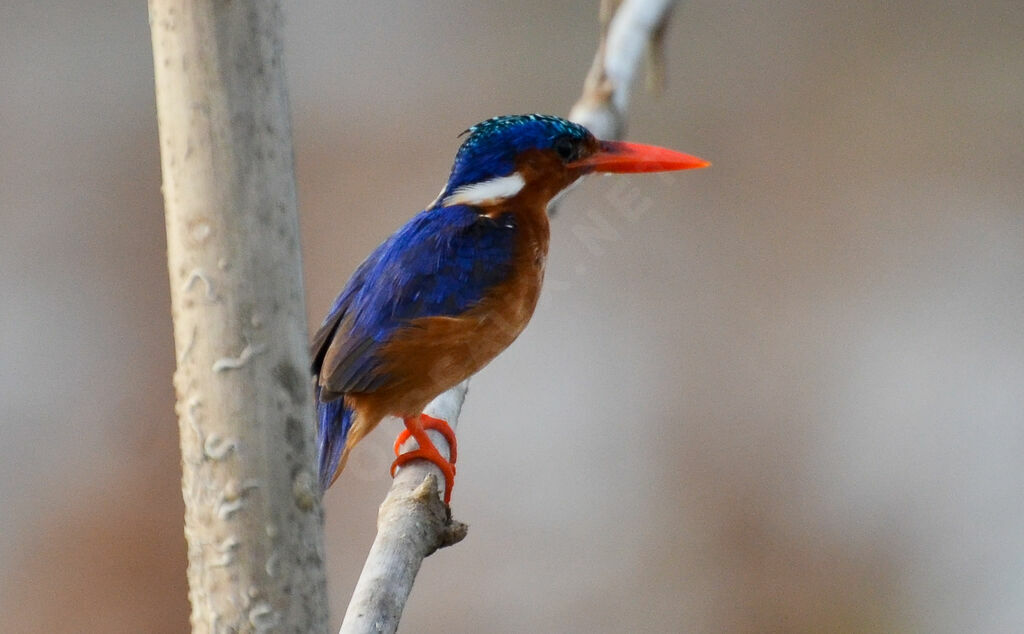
(785,394)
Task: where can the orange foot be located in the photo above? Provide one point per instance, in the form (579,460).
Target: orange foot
(416,426)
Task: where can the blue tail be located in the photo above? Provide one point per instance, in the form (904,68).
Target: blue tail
(333,422)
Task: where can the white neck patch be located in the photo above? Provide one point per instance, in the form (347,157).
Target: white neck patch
(492,191)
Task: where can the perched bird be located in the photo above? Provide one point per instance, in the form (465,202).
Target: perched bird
(451,289)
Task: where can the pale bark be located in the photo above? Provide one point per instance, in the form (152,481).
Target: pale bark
(412,522)
(252,509)
(631,31)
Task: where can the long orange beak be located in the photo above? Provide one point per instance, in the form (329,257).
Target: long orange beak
(631,158)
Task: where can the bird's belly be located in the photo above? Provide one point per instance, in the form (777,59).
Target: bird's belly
(432,354)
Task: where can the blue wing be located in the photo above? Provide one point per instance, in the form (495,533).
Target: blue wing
(440,263)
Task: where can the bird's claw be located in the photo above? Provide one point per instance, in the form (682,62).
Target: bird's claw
(415,427)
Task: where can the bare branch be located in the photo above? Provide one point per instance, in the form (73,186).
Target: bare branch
(630,30)
(252,510)
(412,523)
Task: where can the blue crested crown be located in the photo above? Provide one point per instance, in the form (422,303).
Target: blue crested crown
(491,148)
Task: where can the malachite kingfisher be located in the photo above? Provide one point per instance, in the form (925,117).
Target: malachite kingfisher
(446,293)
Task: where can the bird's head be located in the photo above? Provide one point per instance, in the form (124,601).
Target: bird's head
(539,156)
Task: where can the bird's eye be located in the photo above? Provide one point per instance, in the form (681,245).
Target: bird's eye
(565,148)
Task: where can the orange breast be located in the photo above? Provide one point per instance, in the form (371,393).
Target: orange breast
(433,354)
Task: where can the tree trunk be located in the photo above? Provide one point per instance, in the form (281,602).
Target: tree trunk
(252,510)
